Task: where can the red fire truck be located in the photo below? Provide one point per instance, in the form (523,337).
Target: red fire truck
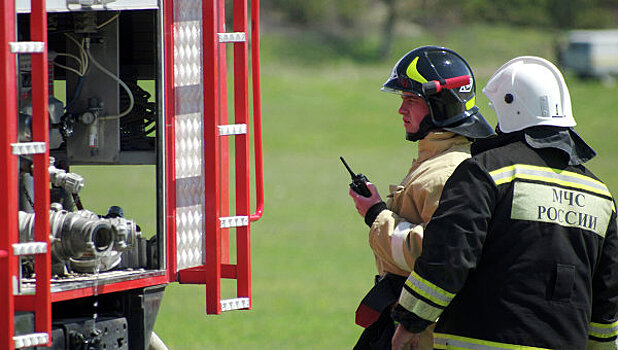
(117,84)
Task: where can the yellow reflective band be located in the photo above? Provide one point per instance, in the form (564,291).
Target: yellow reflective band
(551,175)
(429,290)
(455,342)
(413,73)
(601,345)
(603,330)
(419,307)
(471,103)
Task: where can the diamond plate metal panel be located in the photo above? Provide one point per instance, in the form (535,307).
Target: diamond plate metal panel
(189,133)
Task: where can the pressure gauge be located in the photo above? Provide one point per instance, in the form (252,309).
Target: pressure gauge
(87,118)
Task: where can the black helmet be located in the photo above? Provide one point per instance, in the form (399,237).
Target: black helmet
(449,109)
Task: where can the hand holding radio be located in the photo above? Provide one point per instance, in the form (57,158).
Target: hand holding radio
(359,181)
(363,192)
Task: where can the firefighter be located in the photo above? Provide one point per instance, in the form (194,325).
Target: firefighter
(531,253)
(443,123)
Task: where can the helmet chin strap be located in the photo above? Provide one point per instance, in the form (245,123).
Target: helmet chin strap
(424,128)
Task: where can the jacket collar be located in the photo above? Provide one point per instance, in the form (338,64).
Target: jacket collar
(437,142)
(565,140)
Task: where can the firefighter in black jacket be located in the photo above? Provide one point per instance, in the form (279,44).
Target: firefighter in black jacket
(522,252)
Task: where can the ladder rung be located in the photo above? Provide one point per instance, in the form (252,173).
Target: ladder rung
(234,221)
(27,46)
(29,248)
(234,304)
(24,148)
(236,37)
(87,4)
(30,340)
(232,129)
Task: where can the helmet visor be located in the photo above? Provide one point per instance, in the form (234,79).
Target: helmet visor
(394,90)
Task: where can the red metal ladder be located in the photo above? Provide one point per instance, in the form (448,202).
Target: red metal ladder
(10,248)
(214,45)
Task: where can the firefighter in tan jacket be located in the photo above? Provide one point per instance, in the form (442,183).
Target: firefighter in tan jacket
(438,106)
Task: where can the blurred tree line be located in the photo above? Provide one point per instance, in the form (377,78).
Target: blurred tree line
(356,17)
(539,13)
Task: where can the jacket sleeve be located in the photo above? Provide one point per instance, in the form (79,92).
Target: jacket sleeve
(397,242)
(604,322)
(451,248)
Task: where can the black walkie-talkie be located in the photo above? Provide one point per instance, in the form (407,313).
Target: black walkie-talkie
(359,181)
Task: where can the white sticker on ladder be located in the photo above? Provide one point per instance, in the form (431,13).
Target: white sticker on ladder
(234,304)
(29,248)
(30,340)
(232,129)
(232,37)
(234,221)
(27,46)
(25,148)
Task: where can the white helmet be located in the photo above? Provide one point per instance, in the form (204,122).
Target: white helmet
(529,91)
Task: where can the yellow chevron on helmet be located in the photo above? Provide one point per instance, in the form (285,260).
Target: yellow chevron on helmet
(413,73)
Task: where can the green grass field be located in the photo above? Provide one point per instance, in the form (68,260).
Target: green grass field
(311,260)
